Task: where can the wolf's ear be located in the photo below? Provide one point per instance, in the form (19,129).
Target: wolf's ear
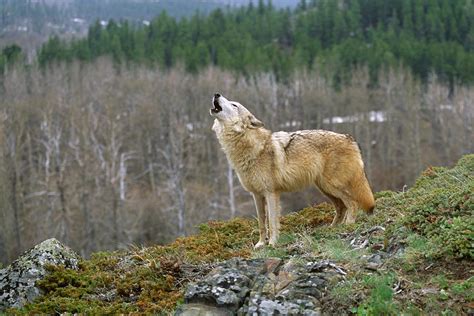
(254,122)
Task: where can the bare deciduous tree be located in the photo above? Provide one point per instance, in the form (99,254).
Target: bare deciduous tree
(102,156)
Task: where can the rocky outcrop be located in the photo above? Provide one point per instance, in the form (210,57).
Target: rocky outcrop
(262,287)
(18,281)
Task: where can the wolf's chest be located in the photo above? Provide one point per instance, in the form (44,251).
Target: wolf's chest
(254,181)
(257,178)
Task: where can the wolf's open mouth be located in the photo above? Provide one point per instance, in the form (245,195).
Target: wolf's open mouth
(217,108)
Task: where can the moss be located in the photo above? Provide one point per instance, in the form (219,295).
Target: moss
(384,194)
(441,207)
(309,217)
(219,241)
(467,162)
(109,283)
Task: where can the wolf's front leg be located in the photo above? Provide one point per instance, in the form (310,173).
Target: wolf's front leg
(260,206)
(273,208)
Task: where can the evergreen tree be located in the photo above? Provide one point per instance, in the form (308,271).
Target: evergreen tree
(425,35)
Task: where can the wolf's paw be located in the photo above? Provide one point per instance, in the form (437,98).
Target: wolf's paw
(349,221)
(258,245)
(272,242)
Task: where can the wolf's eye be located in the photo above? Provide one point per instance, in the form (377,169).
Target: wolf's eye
(235,106)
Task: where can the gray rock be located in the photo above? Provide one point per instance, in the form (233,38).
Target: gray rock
(374,262)
(202,310)
(376,259)
(18,281)
(226,286)
(261,287)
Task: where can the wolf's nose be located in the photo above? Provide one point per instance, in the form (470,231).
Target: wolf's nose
(217,95)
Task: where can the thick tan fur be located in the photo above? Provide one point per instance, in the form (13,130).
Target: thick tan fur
(270,163)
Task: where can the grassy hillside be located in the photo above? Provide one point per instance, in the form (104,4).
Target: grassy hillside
(416,254)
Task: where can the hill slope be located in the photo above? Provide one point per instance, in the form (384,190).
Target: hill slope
(414,255)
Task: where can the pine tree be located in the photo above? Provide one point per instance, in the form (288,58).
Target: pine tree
(344,34)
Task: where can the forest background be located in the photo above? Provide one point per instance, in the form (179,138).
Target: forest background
(105,138)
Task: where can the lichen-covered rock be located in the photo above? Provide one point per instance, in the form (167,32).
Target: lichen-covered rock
(225,287)
(18,281)
(261,287)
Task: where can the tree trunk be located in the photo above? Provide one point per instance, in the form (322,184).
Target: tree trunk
(230,182)
(115,222)
(16,211)
(181,209)
(64,230)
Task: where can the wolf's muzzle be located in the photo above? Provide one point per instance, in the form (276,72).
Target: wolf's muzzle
(217,107)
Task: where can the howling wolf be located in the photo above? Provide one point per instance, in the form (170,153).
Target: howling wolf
(270,163)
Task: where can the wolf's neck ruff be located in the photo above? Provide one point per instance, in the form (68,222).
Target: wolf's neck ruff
(243,148)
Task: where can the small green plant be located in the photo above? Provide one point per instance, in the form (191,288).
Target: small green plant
(286,239)
(464,289)
(380,301)
(384,194)
(338,250)
(441,281)
(457,236)
(270,252)
(418,248)
(344,291)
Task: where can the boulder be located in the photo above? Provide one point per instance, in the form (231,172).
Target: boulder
(261,287)
(18,280)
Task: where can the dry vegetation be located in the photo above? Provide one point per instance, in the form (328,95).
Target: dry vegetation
(101,156)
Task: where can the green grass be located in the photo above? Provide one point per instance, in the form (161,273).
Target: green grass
(417,250)
(270,252)
(339,250)
(464,289)
(380,300)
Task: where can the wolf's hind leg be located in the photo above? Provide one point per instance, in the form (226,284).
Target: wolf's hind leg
(351,212)
(341,210)
(359,196)
(338,204)
(262,219)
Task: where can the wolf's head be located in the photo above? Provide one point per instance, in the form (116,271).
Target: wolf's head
(232,114)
